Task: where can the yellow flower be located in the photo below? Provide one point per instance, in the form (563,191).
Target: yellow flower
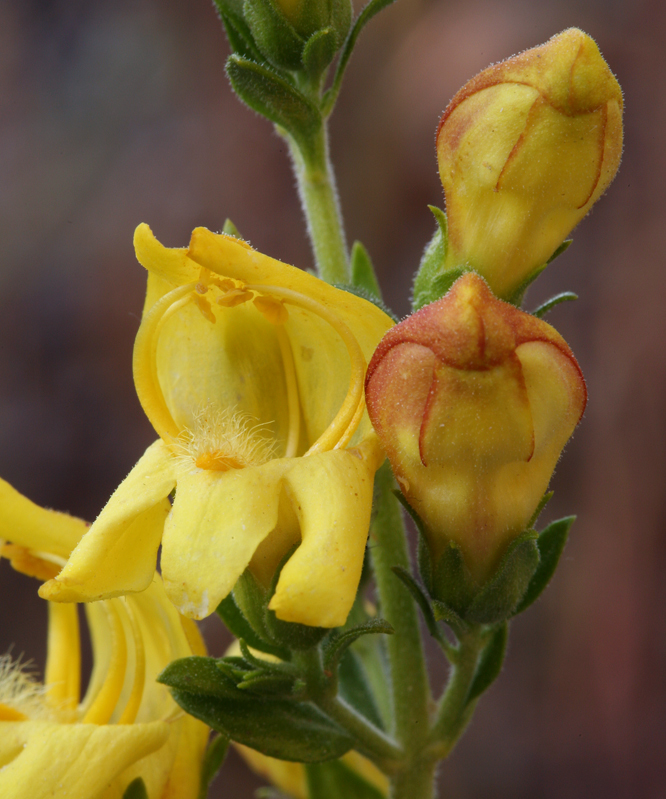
(474,401)
(251,372)
(127,725)
(525,149)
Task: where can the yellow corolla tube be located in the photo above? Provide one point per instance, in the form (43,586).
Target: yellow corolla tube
(252,373)
(55,743)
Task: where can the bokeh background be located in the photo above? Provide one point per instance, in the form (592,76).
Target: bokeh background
(117,113)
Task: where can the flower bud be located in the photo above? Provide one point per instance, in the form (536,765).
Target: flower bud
(473,401)
(524,149)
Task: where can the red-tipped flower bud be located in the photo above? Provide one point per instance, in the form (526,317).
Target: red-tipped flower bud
(525,148)
(473,401)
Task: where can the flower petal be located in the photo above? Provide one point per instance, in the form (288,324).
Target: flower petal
(22,522)
(119,552)
(217,522)
(332,497)
(80,759)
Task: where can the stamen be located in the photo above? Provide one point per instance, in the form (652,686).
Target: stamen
(134,702)
(105,702)
(30,563)
(348,412)
(293,401)
(21,696)
(145,362)
(10,714)
(62,675)
(234,297)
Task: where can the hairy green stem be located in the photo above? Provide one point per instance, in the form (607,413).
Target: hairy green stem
(319,198)
(371,741)
(454,711)
(409,679)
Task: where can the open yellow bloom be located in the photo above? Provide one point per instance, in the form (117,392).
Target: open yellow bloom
(127,725)
(251,372)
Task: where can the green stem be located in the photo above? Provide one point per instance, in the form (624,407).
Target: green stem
(370,740)
(409,679)
(455,712)
(319,198)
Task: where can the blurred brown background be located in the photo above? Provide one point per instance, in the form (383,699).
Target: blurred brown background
(115,113)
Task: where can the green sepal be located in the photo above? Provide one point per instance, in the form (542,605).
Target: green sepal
(368,12)
(499,597)
(431,282)
(229,229)
(452,582)
(266,684)
(212,762)
(319,51)
(274,97)
(423,559)
(336,780)
(136,790)
(339,641)
(545,499)
(355,688)
(490,662)
(239,626)
(274,34)
(446,614)
(421,600)
(559,250)
(277,727)
(362,271)
(363,293)
(518,295)
(237,30)
(545,307)
(551,542)
(251,600)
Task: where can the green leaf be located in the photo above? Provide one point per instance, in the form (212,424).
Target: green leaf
(362,271)
(544,308)
(354,688)
(431,282)
(562,248)
(231,230)
(545,499)
(239,626)
(551,543)
(336,780)
(490,663)
(212,762)
(372,8)
(421,600)
(499,597)
(136,790)
(319,51)
(336,646)
(281,728)
(273,33)
(274,97)
(200,675)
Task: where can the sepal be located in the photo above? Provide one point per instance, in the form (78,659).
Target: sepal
(136,790)
(212,762)
(274,34)
(340,641)
(431,282)
(335,780)
(362,271)
(319,51)
(490,662)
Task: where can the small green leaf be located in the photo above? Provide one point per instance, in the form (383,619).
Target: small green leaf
(421,600)
(362,272)
(423,551)
(499,597)
(237,30)
(336,646)
(518,295)
(446,614)
(319,51)
(360,291)
(562,248)
(212,762)
(274,97)
(239,626)
(372,8)
(281,728)
(231,230)
(551,543)
(267,684)
(200,675)
(490,663)
(136,790)
(336,780)
(545,499)
(273,33)
(544,308)
(431,282)
(452,582)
